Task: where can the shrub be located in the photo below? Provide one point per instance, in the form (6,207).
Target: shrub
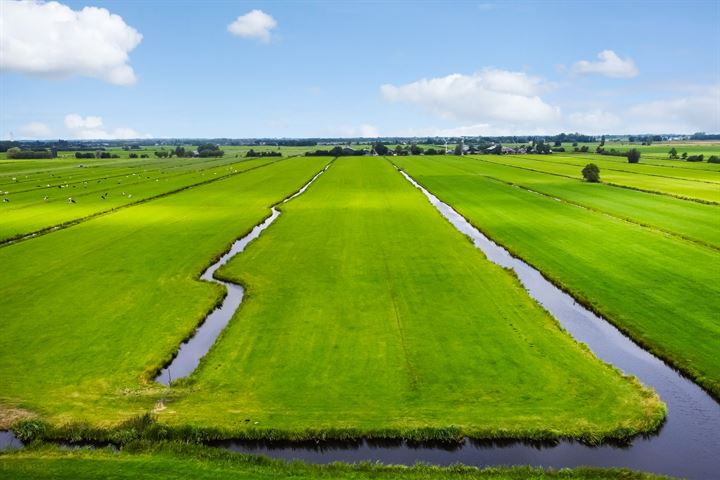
(591,173)
(695,158)
(714,159)
(633,155)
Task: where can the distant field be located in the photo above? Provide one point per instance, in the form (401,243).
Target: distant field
(39,199)
(367,314)
(662,290)
(638,176)
(691,220)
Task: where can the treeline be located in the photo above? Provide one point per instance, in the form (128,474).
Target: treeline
(337,152)
(253,153)
(673,155)
(16,153)
(98,154)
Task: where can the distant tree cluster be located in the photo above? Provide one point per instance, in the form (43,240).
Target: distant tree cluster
(633,155)
(253,153)
(98,154)
(705,136)
(337,152)
(695,158)
(17,153)
(583,149)
(210,150)
(612,152)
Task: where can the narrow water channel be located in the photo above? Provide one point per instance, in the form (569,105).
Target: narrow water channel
(192,350)
(688,445)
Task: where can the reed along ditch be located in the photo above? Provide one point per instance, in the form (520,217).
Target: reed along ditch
(687,445)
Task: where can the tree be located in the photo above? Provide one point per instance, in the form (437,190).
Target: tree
(415,150)
(673,153)
(633,155)
(210,150)
(591,173)
(684,155)
(133,155)
(602,141)
(714,159)
(380,149)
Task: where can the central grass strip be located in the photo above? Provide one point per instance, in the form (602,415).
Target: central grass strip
(367,314)
(89,313)
(661,290)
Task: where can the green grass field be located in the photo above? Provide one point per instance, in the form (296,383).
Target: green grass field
(629,177)
(662,290)
(182,461)
(91,311)
(691,220)
(100,189)
(380,334)
(376,334)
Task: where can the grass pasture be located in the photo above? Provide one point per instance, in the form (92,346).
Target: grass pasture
(100,189)
(92,311)
(663,291)
(691,220)
(392,324)
(629,177)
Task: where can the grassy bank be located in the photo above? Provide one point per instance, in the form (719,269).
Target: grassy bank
(159,461)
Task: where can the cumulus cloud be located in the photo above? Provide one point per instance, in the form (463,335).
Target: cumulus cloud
(52,40)
(494,97)
(609,64)
(255,24)
(90,128)
(34,130)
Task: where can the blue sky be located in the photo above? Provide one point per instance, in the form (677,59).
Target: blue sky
(359,68)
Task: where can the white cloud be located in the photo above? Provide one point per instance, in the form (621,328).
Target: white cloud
(255,24)
(34,130)
(89,128)
(594,122)
(365,130)
(693,113)
(609,64)
(73,121)
(498,98)
(52,40)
